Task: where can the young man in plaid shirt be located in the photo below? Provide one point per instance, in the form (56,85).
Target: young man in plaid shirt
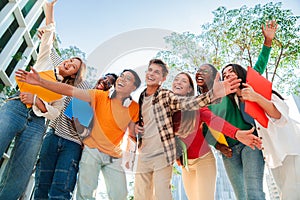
(158,151)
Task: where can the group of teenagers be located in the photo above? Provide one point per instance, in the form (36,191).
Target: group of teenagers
(64,158)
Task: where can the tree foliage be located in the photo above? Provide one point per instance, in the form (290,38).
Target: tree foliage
(235,36)
(74,51)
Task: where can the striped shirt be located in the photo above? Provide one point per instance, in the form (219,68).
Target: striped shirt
(165,103)
(62,124)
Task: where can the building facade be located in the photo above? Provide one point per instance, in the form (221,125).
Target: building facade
(19,20)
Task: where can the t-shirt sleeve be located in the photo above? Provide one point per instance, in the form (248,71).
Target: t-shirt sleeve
(134,111)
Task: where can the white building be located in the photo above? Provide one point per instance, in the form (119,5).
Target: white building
(19,20)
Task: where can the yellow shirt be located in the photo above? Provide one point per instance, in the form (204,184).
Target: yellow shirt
(111,120)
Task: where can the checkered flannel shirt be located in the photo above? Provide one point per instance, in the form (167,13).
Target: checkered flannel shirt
(165,103)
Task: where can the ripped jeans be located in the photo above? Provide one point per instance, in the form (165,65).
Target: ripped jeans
(57,168)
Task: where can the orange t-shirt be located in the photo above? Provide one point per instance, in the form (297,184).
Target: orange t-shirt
(111,120)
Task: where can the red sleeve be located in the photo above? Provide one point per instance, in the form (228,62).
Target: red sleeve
(217,123)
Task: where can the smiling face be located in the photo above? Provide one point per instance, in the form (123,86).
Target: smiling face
(154,75)
(105,82)
(125,83)
(69,67)
(182,85)
(203,75)
(228,72)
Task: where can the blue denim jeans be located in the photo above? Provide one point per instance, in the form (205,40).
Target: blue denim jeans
(245,171)
(91,163)
(57,167)
(19,122)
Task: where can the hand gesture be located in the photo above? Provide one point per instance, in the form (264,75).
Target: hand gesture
(76,125)
(32,78)
(139,131)
(40,33)
(26,98)
(269,30)
(223,88)
(51,3)
(225,150)
(248,93)
(246,137)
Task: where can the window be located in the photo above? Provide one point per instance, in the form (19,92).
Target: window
(7,34)
(3,3)
(26,9)
(37,24)
(16,58)
(30,64)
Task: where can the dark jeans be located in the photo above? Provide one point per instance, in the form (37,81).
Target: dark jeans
(57,168)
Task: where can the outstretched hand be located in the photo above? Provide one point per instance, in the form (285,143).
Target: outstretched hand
(246,137)
(269,30)
(32,77)
(223,88)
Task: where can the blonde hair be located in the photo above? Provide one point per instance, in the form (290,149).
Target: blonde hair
(80,74)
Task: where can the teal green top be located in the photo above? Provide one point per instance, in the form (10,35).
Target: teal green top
(228,110)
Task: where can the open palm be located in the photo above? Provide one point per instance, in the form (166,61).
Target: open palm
(28,77)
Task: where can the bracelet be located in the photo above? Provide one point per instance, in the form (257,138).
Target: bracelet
(34,99)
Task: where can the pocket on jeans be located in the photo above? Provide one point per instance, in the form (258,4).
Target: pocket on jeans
(72,175)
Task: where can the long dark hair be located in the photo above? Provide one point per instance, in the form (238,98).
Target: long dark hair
(277,94)
(242,74)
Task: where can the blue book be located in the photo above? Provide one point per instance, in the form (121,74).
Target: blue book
(81,110)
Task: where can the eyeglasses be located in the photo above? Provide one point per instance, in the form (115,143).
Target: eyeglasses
(126,77)
(204,71)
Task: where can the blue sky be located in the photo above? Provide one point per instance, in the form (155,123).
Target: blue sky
(86,25)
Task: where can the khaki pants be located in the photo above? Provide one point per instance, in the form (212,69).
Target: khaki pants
(153,183)
(200,181)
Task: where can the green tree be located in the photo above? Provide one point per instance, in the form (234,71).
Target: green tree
(74,51)
(234,36)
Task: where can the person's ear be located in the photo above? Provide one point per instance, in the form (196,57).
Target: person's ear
(134,88)
(190,90)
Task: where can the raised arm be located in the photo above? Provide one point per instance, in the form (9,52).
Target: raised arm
(250,95)
(33,78)
(49,12)
(268,30)
(46,33)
